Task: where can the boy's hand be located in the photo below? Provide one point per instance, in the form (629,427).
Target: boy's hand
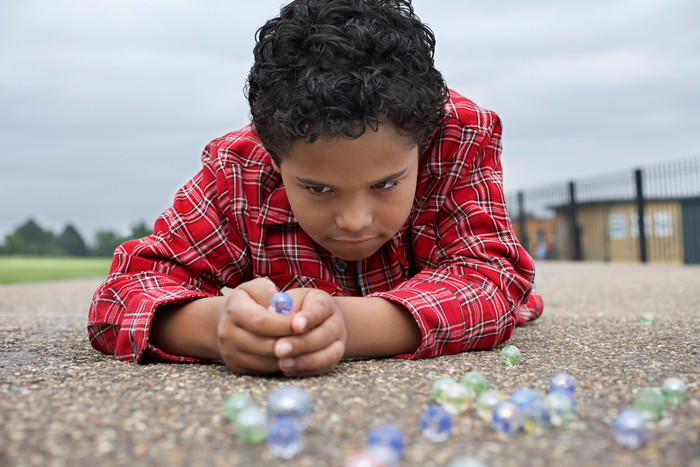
(247,331)
(319,338)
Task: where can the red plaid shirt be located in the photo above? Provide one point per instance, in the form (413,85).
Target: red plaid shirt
(455,264)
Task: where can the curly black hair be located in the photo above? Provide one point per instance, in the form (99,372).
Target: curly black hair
(335,67)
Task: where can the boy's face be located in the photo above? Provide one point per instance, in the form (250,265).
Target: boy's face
(352,195)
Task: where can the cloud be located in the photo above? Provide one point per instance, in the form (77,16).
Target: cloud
(106,106)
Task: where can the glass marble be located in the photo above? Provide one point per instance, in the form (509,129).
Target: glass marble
(436,424)
(563,382)
(236,403)
(487,402)
(387,436)
(510,355)
(281,303)
(251,425)
(559,406)
(363,458)
(475,382)
(467,461)
(651,403)
(285,438)
(674,390)
(524,397)
(455,398)
(630,429)
(290,401)
(646,318)
(439,385)
(507,418)
(537,420)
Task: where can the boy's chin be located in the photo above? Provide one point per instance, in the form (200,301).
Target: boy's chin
(353,255)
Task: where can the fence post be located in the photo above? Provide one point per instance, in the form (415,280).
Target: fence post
(640,215)
(522,221)
(573,221)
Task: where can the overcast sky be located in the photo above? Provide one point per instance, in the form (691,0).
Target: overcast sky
(105,106)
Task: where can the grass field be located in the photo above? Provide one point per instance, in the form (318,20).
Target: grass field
(27,269)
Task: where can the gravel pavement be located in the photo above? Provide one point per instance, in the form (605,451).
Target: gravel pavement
(62,403)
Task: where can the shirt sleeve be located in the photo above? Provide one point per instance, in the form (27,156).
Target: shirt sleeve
(478,273)
(192,253)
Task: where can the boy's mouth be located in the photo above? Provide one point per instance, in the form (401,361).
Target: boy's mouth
(354,241)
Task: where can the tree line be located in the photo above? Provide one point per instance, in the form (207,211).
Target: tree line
(30,239)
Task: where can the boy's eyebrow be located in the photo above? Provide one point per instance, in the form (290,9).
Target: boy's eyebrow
(307,181)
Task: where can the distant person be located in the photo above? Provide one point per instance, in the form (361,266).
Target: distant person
(364,187)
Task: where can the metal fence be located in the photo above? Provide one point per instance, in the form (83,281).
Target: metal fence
(649,214)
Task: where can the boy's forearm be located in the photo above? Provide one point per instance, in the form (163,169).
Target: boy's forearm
(378,328)
(188,329)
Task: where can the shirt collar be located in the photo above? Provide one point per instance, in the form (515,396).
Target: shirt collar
(275,209)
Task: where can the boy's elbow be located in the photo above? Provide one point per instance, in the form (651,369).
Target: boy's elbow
(103,337)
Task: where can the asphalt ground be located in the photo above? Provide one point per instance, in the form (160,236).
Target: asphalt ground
(63,403)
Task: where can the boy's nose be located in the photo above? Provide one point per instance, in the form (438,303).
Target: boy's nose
(354,219)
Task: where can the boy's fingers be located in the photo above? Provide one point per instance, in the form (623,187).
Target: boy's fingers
(316,308)
(260,290)
(245,341)
(242,311)
(245,363)
(311,341)
(314,363)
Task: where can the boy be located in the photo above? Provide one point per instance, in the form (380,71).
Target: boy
(364,188)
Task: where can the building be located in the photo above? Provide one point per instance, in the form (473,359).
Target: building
(608,230)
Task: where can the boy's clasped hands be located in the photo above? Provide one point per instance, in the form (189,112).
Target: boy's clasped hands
(308,341)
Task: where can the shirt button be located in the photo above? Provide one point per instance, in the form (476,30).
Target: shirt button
(341,266)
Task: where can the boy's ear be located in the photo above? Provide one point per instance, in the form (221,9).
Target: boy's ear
(275,167)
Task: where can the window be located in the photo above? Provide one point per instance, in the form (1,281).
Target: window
(617,224)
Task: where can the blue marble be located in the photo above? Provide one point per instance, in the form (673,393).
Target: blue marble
(290,401)
(563,382)
(436,424)
(281,303)
(630,429)
(524,397)
(387,436)
(507,418)
(285,438)
(537,420)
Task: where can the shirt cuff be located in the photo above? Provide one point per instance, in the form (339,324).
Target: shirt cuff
(137,323)
(453,318)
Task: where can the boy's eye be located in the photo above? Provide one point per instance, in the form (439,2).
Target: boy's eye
(318,190)
(387,184)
